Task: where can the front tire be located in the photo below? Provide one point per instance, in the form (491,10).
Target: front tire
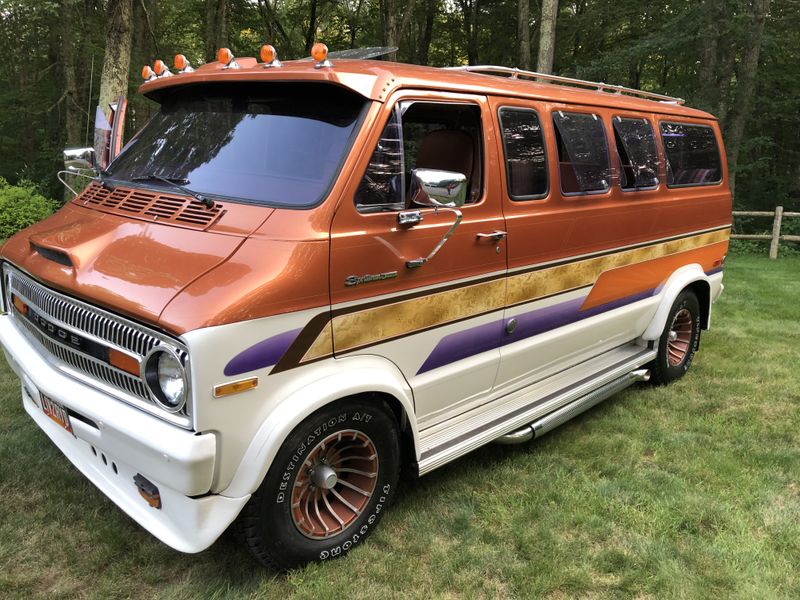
(679,341)
(328,486)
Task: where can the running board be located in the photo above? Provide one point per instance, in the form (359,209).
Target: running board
(565,413)
(534,404)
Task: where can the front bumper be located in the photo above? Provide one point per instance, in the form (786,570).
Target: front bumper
(112,442)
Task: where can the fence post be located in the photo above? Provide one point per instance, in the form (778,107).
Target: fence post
(776,232)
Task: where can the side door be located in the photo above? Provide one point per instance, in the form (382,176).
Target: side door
(441,322)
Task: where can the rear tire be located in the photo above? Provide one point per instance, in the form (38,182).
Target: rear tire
(327,488)
(679,341)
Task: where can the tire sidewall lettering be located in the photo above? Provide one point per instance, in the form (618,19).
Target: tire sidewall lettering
(353,539)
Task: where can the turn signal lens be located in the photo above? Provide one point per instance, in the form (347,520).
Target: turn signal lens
(319,52)
(225,56)
(124,362)
(268,53)
(21,307)
(147,72)
(159,67)
(234,387)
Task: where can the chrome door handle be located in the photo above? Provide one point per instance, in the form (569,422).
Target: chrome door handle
(495,235)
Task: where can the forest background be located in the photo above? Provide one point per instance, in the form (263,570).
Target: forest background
(737,59)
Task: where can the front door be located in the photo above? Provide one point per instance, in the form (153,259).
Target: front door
(440,323)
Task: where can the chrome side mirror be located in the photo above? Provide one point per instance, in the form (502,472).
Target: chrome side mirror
(440,190)
(80,159)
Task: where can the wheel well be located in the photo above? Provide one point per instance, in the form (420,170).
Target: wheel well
(408,455)
(702,290)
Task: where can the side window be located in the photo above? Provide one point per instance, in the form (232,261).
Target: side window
(523,144)
(382,187)
(638,157)
(582,153)
(428,135)
(692,154)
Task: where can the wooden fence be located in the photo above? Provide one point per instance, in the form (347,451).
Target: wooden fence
(776,236)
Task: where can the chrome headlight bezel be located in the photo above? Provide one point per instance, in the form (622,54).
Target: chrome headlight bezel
(150,376)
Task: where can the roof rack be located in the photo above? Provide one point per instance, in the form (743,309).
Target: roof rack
(515,73)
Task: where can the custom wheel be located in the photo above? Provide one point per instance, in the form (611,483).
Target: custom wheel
(328,485)
(679,341)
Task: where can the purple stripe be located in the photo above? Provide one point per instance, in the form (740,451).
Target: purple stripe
(470,342)
(463,344)
(263,354)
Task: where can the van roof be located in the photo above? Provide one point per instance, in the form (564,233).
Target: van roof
(378,79)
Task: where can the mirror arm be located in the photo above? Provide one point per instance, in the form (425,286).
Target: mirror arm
(418,262)
(76,174)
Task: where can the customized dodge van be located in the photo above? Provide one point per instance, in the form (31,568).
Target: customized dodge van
(298,277)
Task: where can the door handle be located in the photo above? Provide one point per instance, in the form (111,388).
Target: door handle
(495,235)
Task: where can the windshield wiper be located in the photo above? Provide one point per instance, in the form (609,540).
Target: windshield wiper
(178,184)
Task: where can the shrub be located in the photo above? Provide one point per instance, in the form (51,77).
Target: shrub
(20,206)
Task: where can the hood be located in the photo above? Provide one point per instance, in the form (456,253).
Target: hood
(120,262)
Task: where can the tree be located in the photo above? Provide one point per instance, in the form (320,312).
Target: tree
(547,36)
(117,59)
(746,84)
(524,34)
(216,33)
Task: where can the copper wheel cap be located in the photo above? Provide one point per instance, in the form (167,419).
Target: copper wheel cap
(679,338)
(334,484)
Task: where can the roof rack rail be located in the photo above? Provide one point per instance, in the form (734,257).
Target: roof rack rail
(515,73)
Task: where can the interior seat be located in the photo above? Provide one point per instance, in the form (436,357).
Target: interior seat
(448,150)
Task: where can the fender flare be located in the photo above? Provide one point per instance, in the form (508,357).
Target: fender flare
(677,282)
(355,375)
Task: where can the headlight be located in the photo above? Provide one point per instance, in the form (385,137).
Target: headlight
(165,376)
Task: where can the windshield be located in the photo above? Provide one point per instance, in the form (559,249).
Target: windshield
(278,144)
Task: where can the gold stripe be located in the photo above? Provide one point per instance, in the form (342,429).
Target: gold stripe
(374,325)
(546,282)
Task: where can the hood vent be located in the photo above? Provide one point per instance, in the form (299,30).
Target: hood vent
(150,206)
(52,254)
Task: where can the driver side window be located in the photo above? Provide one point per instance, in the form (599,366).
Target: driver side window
(428,135)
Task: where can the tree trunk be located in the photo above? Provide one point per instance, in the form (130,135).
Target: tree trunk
(117,59)
(547,36)
(216,28)
(427,31)
(72,106)
(393,25)
(470,10)
(311,33)
(524,34)
(745,86)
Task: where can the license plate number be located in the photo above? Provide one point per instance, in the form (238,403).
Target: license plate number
(56,412)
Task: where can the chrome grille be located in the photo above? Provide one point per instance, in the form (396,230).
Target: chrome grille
(107,328)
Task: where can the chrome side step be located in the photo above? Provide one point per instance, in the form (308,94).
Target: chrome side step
(549,422)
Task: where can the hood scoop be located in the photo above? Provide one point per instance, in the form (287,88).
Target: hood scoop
(150,206)
(57,256)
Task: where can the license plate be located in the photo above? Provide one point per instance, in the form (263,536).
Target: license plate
(56,412)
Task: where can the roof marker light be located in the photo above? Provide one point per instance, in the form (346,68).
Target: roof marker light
(182,64)
(161,70)
(147,73)
(319,52)
(270,56)
(225,58)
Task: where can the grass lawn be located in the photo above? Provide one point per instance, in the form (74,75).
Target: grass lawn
(689,491)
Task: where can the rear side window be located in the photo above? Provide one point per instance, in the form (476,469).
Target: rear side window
(582,153)
(523,144)
(638,157)
(692,154)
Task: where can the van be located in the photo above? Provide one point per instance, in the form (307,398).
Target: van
(299,278)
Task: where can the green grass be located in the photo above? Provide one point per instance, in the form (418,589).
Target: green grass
(689,491)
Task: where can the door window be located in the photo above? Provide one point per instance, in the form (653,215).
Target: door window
(636,149)
(428,135)
(523,145)
(582,153)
